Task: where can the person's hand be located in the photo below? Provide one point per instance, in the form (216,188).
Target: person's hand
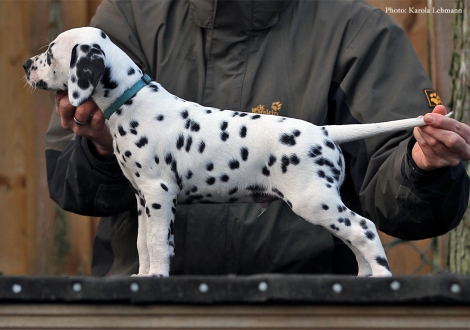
(87,121)
(443,142)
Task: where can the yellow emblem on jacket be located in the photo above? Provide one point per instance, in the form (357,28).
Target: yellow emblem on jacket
(433,98)
(275,108)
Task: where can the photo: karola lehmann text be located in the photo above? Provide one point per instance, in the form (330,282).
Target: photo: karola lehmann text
(425,10)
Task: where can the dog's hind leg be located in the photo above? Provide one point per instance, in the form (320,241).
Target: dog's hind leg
(356,231)
(363,266)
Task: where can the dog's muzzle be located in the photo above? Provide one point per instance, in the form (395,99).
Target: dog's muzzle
(27,66)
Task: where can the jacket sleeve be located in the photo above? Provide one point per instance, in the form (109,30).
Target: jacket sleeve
(380,79)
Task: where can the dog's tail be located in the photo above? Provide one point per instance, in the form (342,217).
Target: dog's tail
(345,133)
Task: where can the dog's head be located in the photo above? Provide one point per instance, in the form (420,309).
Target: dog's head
(74,61)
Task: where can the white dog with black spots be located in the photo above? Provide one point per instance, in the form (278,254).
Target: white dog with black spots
(179,152)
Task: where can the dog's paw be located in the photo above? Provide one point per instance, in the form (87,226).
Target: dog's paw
(149,275)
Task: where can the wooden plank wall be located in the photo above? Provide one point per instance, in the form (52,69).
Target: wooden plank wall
(36,237)
(27,216)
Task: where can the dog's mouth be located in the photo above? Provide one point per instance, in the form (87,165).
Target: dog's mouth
(40,84)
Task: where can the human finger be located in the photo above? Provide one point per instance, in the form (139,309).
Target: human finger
(436,124)
(84,113)
(59,95)
(448,152)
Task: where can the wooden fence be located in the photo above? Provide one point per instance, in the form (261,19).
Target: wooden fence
(38,238)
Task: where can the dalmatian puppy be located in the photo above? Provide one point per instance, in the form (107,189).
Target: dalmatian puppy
(178,152)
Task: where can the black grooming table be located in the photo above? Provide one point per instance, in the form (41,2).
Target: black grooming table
(439,289)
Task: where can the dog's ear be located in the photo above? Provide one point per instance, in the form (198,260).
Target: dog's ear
(87,67)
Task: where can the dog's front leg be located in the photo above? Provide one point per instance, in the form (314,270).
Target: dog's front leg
(155,239)
(144,263)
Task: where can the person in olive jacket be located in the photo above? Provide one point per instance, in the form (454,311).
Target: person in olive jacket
(326,62)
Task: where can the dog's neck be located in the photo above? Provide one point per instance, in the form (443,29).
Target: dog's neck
(130,93)
(123,78)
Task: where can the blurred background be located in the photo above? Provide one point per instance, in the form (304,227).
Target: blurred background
(38,238)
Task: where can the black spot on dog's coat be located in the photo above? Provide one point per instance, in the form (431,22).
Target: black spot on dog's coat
(382,262)
(133,124)
(168,159)
(142,142)
(180,142)
(243,131)
(294,160)
(341,208)
(107,81)
(363,224)
(256,188)
(334,227)
(330,144)
(370,235)
(266,171)
(121,130)
(154,87)
(73,58)
(287,139)
(195,127)
(202,146)
(224,136)
(233,191)
(244,153)
(315,151)
(278,192)
(189,142)
(272,160)
(234,164)
(284,163)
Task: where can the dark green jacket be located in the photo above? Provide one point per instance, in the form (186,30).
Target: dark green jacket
(327,62)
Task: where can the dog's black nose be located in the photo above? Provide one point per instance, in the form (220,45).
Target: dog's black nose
(27,65)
